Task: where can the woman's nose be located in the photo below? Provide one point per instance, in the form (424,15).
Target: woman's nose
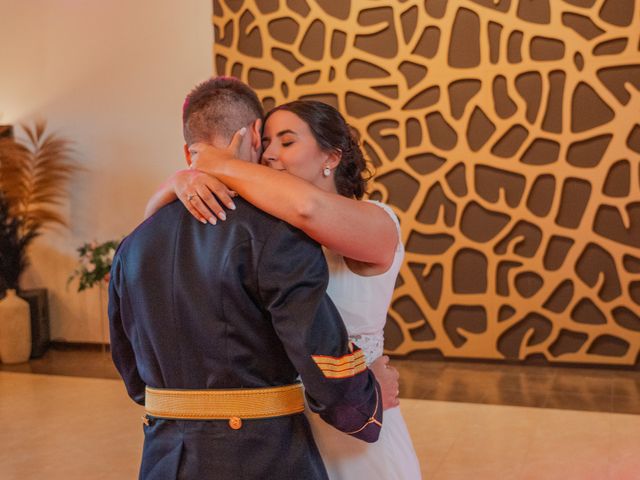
(268,157)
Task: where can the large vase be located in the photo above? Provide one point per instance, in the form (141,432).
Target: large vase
(15,329)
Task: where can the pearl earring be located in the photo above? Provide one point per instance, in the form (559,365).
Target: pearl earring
(326,172)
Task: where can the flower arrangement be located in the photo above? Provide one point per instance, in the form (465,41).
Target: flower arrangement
(95,263)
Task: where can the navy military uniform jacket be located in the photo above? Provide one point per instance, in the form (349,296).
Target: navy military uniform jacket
(241,304)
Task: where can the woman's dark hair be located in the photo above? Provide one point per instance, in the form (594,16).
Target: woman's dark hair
(332,133)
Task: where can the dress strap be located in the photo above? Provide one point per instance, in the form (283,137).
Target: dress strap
(392,214)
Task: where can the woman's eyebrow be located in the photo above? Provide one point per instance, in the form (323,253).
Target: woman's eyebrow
(279,134)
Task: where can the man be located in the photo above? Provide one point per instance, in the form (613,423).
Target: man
(211,325)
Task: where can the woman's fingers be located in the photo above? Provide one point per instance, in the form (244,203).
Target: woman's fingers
(187,200)
(210,213)
(236,141)
(387,376)
(211,203)
(203,195)
(221,192)
(186,191)
(214,193)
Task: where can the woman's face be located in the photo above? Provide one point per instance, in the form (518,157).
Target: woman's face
(288,144)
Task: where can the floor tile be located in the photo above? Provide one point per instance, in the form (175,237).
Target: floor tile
(519,398)
(586,383)
(625,404)
(579,401)
(626,385)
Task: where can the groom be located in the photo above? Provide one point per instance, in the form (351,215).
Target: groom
(211,325)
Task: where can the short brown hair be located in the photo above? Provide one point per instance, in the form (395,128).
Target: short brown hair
(219,107)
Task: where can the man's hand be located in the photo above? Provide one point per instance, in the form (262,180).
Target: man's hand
(387,377)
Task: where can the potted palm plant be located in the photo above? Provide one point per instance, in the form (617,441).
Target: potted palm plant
(13,246)
(34,178)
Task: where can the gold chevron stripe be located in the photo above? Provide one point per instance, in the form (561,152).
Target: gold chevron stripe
(338,361)
(341,367)
(346,373)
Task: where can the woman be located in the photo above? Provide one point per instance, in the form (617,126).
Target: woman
(315,182)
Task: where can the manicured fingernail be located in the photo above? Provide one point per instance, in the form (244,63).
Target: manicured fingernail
(222,216)
(202,220)
(242,131)
(231,205)
(213,220)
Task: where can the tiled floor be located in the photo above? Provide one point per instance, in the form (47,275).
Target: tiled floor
(68,428)
(55,427)
(467,420)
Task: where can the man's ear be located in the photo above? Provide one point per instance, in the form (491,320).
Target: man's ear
(256,134)
(187,154)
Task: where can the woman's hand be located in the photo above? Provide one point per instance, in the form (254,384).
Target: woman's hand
(387,377)
(207,158)
(202,194)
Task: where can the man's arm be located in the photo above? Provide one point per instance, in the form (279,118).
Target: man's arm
(121,348)
(293,277)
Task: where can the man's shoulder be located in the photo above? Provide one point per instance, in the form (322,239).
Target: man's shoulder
(167,215)
(248,210)
(256,218)
(263,220)
(163,219)
(246,217)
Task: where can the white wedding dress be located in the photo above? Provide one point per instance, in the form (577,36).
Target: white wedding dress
(363,303)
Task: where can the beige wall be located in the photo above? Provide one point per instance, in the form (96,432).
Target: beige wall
(111,76)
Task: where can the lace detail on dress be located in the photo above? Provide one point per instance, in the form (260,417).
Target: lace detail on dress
(372,345)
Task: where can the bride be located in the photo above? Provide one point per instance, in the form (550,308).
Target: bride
(313,177)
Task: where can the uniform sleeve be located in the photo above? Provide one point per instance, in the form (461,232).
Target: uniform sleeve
(121,348)
(293,276)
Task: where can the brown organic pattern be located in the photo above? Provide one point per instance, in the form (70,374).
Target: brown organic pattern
(506,135)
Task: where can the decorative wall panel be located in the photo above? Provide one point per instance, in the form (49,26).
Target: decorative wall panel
(506,135)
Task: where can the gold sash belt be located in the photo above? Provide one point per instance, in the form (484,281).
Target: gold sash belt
(224,404)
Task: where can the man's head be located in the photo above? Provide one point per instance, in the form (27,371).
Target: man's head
(216,108)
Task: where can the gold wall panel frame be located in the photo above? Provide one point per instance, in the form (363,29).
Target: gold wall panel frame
(505,134)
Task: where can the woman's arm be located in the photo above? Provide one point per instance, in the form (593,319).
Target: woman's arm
(359,231)
(163,196)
